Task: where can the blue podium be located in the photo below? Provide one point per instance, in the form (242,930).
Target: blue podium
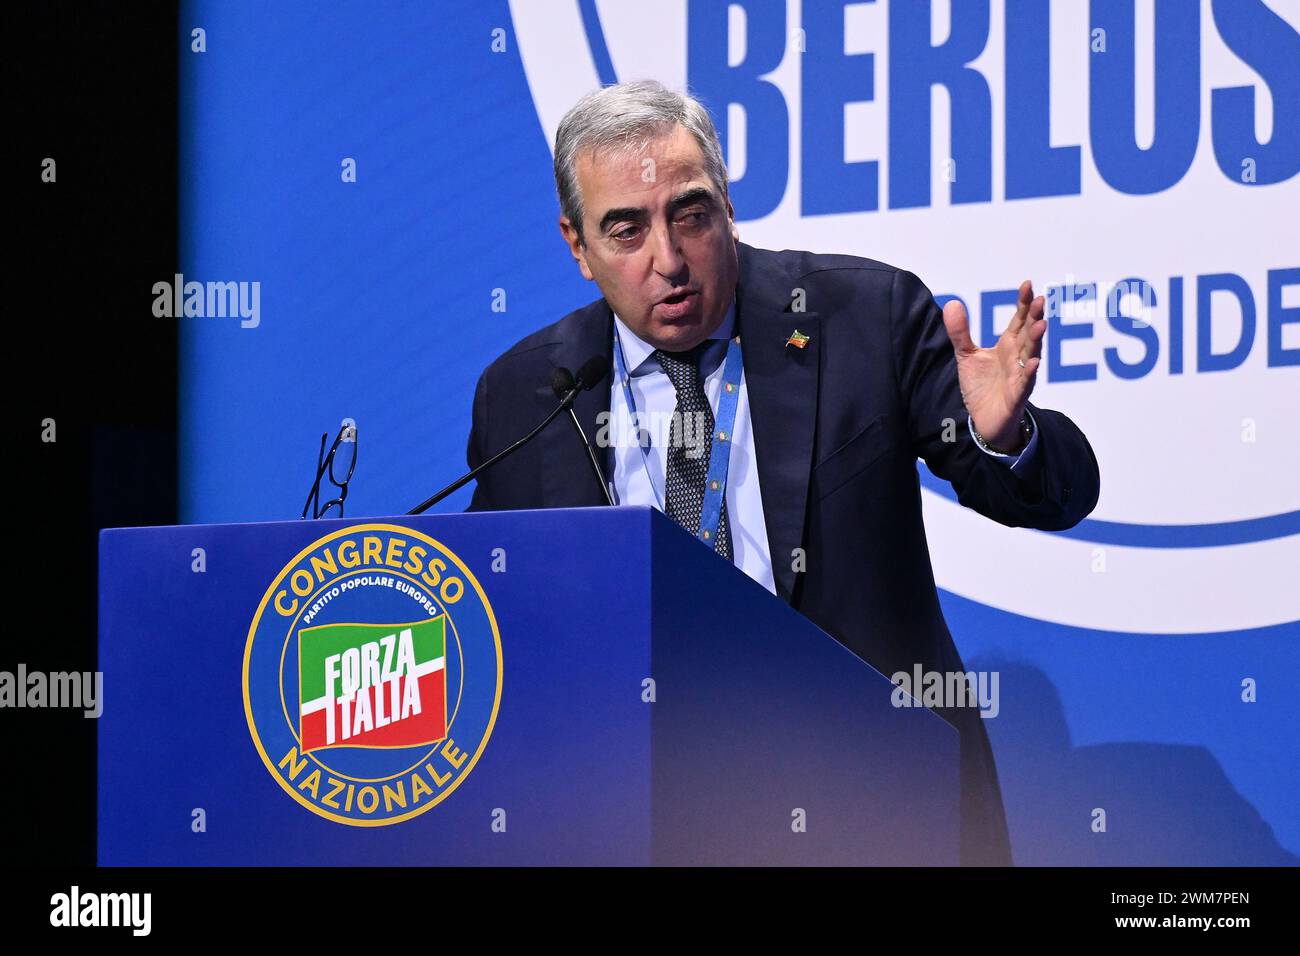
(563,687)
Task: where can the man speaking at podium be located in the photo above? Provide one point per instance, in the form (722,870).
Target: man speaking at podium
(797,389)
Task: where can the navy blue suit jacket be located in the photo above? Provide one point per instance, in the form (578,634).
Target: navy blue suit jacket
(837,428)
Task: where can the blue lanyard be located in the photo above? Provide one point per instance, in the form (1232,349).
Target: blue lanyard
(715,484)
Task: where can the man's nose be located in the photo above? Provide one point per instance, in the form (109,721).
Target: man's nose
(668,260)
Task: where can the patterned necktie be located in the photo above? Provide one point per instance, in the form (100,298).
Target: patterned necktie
(690,440)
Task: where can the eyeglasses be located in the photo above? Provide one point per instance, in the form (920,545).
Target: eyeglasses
(327,465)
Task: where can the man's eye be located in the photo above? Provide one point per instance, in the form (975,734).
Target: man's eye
(693,218)
(626,235)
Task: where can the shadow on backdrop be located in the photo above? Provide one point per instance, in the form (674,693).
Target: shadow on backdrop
(1165,804)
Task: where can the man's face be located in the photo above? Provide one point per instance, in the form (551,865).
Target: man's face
(660,240)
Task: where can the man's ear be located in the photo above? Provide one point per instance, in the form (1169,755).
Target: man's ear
(575,246)
(731,217)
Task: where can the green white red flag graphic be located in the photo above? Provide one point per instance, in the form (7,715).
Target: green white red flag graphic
(372,685)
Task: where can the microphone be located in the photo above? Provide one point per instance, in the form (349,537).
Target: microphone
(566,387)
(591,372)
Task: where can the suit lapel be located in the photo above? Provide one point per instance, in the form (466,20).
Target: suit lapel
(781,384)
(567,480)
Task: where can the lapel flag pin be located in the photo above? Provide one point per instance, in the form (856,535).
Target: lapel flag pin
(798,340)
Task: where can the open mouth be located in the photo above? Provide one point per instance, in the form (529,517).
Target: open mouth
(678,298)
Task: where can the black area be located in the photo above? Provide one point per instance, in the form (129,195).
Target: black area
(924,909)
(95,86)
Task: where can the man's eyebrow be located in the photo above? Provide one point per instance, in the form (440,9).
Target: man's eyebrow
(693,195)
(636,213)
(631,213)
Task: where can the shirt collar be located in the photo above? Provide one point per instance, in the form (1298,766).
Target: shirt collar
(640,354)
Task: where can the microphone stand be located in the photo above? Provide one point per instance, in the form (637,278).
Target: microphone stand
(428,503)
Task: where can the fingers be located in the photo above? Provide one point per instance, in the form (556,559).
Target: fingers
(1032,339)
(958,326)
(1029,335)
(1025,381)
(1029,341)
(1017,323)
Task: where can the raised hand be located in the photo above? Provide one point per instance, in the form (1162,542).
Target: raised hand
(996,382)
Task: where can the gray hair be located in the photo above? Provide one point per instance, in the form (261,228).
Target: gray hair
(628,116)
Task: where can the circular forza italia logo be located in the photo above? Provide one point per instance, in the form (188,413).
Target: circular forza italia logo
(372,675)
